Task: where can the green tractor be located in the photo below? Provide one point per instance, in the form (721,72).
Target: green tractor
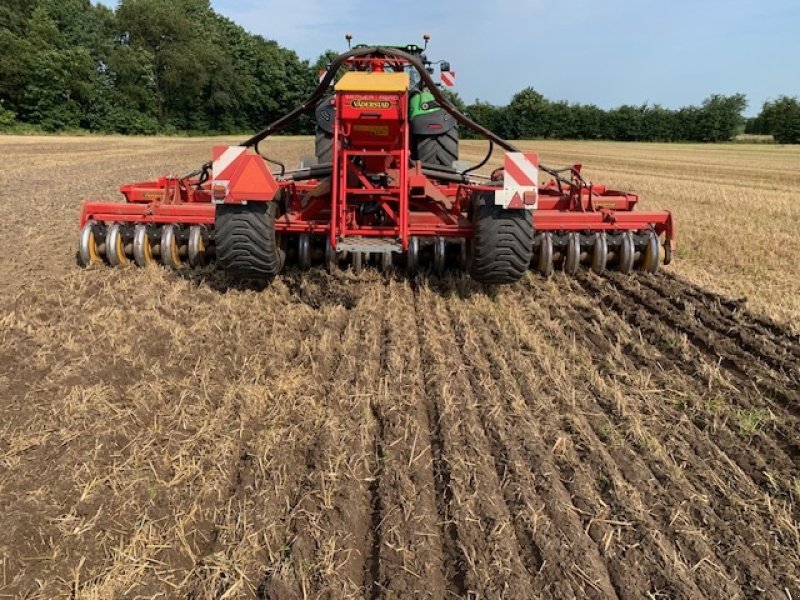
(434,131)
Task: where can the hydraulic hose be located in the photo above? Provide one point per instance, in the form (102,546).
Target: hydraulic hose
(321,89)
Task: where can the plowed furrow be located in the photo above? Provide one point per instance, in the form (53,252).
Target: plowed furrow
(513,479)
(244,471)
(411,551)
(781,448)
(675,372)
(621,514)
(454,559)
(699,330)
(324,358)
(373,582)
(693,362)
(735,309)
(330,548)
(683,449)
(727,354)
(678,501)
(479,512)
(758,345)
(559,557)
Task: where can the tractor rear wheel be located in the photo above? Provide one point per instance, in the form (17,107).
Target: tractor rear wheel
(248,246)
(323,146)
(438,150)
(502,242)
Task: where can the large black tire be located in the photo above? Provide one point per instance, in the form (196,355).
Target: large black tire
(502,242)
(247,245)
(438,150)
(323,146)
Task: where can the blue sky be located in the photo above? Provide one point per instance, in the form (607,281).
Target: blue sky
(606,52)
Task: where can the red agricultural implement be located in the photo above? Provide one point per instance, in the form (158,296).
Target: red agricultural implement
(385,189)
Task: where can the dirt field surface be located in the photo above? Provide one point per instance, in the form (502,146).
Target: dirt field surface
(164,434)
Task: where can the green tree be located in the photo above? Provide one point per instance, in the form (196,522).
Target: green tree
(780,118)
(494,118)
(719,118)
(527,115)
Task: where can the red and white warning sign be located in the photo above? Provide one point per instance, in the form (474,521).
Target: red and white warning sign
(520,181)
(322,73)
(448,78)
(224,158)
(239,176)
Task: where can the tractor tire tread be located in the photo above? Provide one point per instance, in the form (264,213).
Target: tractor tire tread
(246,242)
(439,150)
(323,146)
(503,242)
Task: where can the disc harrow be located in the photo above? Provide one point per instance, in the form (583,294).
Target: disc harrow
(119,244)
(370,202)
(177,246)
(598,251)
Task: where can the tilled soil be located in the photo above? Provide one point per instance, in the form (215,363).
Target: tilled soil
(169,434)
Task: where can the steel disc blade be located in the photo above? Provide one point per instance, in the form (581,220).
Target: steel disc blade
(142,248)
(651,256)
(386,262)
(412,256)
(331,257)
(115,248)
(197,246)
(88,251)
(544,264)
(357,261)
(599,253)
(572,260)
(439,249)
(304,251)
(169,247)
(626,253)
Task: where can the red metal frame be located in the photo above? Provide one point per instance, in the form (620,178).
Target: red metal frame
(155,203)
(368,167)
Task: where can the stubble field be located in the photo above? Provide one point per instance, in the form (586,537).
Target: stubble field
(167,435)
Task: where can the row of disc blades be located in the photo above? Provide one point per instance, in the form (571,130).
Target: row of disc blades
(173,245)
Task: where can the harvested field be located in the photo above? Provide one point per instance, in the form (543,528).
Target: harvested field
(167,434)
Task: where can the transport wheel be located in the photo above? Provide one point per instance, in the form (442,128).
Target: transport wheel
(142,248)
(88,253)
(323,146)
(412,256)
(439,250)
(197,246)
(440,150)
(651,253)
(248,247)
(502,242)
(626,253)
(304,251)
(599,253)
(169,247)
(115,248)
(331,258)
(544,264)
(572,260)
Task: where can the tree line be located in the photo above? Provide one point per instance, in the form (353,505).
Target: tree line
(531,115)
(779,118)
(164,66)
(148,66)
